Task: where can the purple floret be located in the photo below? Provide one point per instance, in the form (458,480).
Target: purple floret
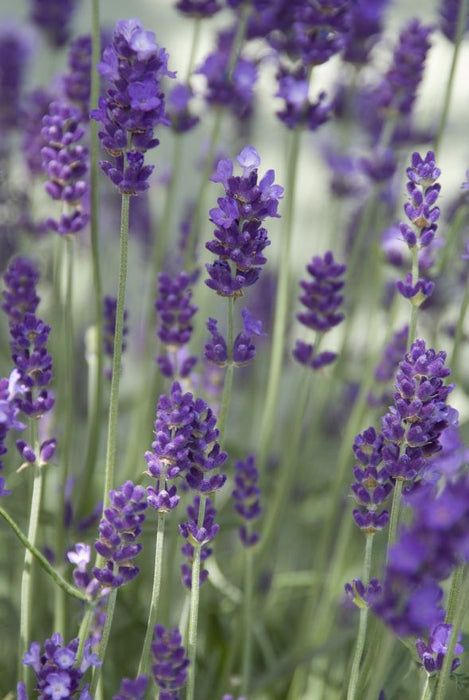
(246,498)
(170,667)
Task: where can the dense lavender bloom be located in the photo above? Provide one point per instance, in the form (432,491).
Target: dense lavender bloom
(134,104)
(246,498)
(132,690)
(119,530)
(233,90)
(239,236)
(54,18)
(321,29)
(299,111)
(20,295)
(321,295)
(449,12)
(58,674)
(413,426)
(433,654)
(15,48)
(366,26)
(109,330)
(198,8)
(77,82)
(322,300)
(170,667)
(181,117)
(398,90)
(34,108)
(65,162)
(197,537)
(372,483)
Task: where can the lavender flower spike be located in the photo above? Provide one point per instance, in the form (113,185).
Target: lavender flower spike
(170,667)
(246,498)
(134,104)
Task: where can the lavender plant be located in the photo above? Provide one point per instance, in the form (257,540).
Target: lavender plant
(191,528)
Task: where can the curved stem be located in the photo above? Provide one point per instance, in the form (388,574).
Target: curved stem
(460,27)
(281,309)
(42,561)
(360,644)
(145,657)
(94,424)
(194,607)
(116,360)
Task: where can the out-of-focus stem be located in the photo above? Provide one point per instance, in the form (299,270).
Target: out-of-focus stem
(247,610)
(95,403)
(281,309)
(394,519)
(194,607)
(155,595)
(228,383)
(460,611)
(360,643)
(414,309)
(104,640)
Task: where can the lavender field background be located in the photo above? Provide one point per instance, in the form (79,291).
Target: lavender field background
(234,395)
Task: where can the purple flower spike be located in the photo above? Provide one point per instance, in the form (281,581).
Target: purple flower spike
(54,19)
(216,350)
(321,296)
(433,654)
(449,12)
(65,162)
(170,667)
(246,498)
(239,236)
(174,308)
(132,690)
(58,674)
(134,104)
(197,537)
(20,295)
(119,529)
(299,111)
(416,293)
(15,50)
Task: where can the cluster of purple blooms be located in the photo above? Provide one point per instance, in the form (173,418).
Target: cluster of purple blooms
(322,299)
(134,104)
(240,238)
(199,537)
(14,56)
(185,446)
(77,82)
(65,162)
(243,350)
(54,19)
(175,312)
(58,671)
(423,192)
(170,667)
(246,499)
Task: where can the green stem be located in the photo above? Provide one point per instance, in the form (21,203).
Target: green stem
(104,640)
(459,330)
(460,28)
(414,309)
(360,644)
(193,51)
(228,383)
(247,604)
(26,579)
(394,519)
(456,583)
(60,616)
(84,630)
(194,607)
(460,611)
(42,561)
(426,691)
(281,309)
(116,360)
(94,424)
(155,595)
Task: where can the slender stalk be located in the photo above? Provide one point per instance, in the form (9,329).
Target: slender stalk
(155,595)
(94,424)
(193,51)
(459,330)
(454,594)
(104,640)
(26,579)
(194,608)
(426,691)
(116,360)
(414,309)
(41,560)
(460,27)
(281,309)
(228,383)
(60,616)
(460,611)
(360,643)
(394,519)
(247,610)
